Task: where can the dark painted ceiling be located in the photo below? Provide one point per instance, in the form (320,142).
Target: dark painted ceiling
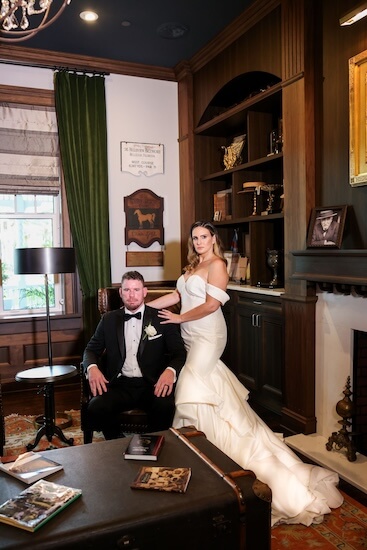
(139,42)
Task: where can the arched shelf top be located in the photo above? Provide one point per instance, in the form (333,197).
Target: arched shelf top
(238,90)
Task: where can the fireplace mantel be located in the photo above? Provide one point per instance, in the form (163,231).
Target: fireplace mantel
(342,268)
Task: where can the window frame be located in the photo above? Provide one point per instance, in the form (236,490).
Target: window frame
(42,97)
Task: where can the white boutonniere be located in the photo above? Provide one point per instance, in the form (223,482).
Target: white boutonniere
(149,331)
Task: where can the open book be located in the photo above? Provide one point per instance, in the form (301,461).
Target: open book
(30,467)
(37,504)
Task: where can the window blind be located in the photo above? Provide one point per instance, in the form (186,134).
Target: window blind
(29,150)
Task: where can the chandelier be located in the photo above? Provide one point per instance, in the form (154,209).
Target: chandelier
(22,19)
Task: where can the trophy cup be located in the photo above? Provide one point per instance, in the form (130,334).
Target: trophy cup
(270,189)
(255,188)
(273,259)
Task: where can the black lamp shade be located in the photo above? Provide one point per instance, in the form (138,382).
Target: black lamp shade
(29,261)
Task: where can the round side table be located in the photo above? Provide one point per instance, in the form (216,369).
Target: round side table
(48,375)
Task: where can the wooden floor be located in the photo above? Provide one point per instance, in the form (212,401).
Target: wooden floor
(68,397)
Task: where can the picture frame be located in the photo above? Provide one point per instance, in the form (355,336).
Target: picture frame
(326,226)
(144,218)
(357,120)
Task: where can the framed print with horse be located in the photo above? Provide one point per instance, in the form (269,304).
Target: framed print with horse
(144,225)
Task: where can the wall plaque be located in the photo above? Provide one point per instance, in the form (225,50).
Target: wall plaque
(142,158)
(144,218)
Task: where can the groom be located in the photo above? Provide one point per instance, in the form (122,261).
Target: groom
(140,358)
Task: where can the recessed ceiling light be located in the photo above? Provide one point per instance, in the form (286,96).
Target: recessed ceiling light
(89,16)
(125,23)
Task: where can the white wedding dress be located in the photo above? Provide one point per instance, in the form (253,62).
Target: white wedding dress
(210,397)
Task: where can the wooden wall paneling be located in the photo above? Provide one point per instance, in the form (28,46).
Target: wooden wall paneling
(339,45)
(234,31)
(23,344)
(301,165)
(186,157)
(257,50)
(298,411)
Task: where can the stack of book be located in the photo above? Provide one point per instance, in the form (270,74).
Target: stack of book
(222,205)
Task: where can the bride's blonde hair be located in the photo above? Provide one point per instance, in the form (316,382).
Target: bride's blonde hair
(193,256)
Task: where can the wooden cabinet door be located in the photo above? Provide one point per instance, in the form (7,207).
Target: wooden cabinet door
(259,350)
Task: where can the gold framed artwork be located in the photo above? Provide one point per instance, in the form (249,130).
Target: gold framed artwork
(357,119)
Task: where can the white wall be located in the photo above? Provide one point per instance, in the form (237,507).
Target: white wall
(144,110)
(138,110)
(336,318)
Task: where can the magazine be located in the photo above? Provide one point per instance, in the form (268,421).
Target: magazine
(37,504)
(144,447)
(162,478)
(30,467)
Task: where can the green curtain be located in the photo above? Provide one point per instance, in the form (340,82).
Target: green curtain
(81,115)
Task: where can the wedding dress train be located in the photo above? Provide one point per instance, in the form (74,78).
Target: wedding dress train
(210,397)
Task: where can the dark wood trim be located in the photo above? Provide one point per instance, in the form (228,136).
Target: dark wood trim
(348,267)
(186,156)
(29,96)
(298,411)
(58,60)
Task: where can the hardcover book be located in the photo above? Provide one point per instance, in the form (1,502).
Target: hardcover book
(30,467)
(161,478)
(144,447)
(37,504)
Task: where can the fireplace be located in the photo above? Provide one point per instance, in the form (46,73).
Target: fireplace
(339,321)
(359,426)
(341,285)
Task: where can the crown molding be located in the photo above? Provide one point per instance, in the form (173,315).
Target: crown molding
(32,57)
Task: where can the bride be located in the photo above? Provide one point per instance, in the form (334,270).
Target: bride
(210,397)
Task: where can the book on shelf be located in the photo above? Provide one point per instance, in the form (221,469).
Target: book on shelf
(222,205)
(162,478)
(30,467)
(37,504)
(236,266)
(144,447)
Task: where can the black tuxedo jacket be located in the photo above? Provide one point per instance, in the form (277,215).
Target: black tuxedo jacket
(154,354)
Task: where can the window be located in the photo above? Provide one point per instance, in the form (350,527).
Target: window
(33,211)
(28,221)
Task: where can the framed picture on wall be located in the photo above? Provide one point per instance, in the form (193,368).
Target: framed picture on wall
(326,226)
(144,218)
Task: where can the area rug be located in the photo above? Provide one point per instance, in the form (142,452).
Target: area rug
(21,430)
(344,529)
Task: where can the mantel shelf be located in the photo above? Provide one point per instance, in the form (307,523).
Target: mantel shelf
(339,267)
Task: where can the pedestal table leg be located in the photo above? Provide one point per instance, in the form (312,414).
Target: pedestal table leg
(49,428)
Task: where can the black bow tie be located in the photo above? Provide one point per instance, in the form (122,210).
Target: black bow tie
(127,316)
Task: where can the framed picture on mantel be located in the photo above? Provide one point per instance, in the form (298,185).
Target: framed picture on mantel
(326,227)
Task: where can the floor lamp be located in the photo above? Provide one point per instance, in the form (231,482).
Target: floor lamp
(31,261)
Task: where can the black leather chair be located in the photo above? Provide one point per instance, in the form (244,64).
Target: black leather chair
(133,421)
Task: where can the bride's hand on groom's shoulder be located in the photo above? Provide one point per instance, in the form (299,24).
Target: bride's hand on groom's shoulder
(169,317)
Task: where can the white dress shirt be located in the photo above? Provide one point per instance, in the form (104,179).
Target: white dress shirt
(133,330)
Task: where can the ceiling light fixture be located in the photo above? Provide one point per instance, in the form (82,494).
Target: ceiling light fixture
(16,17)
(89,16)
(354,15)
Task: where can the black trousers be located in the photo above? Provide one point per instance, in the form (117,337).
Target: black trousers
(124,394)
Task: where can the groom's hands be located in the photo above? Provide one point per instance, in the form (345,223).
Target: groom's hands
(97,382)
(164,385)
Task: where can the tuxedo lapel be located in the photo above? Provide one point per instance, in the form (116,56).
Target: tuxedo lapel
(147,318)
(120,329)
